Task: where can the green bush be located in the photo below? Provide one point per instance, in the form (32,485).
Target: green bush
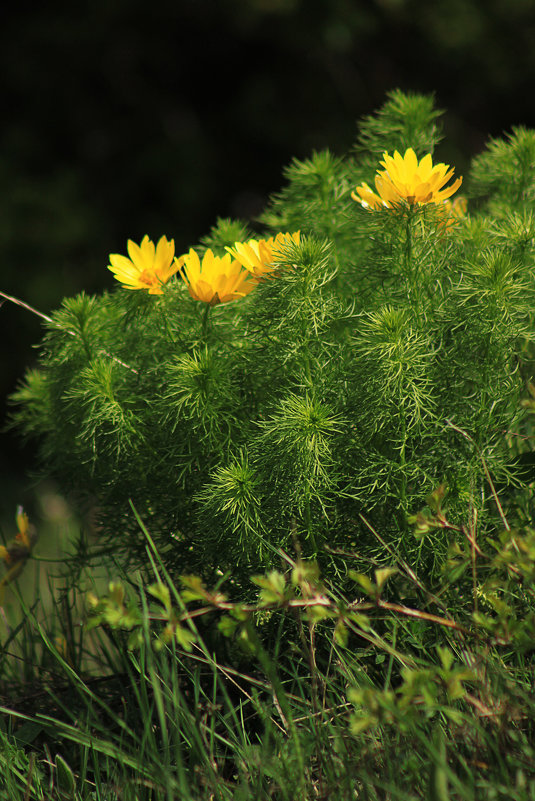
(339,413)
(381,357)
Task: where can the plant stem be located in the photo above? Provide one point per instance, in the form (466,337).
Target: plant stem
(171,338)
(403,466)
(205,325)
(411,270)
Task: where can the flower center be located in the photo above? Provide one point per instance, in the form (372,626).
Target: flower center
(149,278)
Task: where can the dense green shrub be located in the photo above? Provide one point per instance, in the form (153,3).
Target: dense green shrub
(381,357)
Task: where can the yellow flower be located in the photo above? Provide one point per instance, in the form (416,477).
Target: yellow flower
(258,255)
(215,280)
(407,179)
(148,267)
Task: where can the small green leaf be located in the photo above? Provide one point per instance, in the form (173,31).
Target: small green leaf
(382,575)
(27,733)
(484,621)
(64,777)
(184,637)
(305,573)
(131,617)
(446,657)
(340,633)
(162,594)
(422,523)
(360,620)
(435,498)
(227,625)
(114,617)
(317,612)
(239,612)
(273,587)
(364,581)
(195,589)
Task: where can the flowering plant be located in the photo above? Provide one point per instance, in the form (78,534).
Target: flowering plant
(406,178)
(385,355)
(148,267)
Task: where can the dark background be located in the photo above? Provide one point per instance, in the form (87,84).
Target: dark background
(127,118)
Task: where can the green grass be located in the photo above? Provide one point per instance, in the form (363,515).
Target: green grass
(299,696)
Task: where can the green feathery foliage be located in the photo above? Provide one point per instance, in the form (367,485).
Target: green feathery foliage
(386,354)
